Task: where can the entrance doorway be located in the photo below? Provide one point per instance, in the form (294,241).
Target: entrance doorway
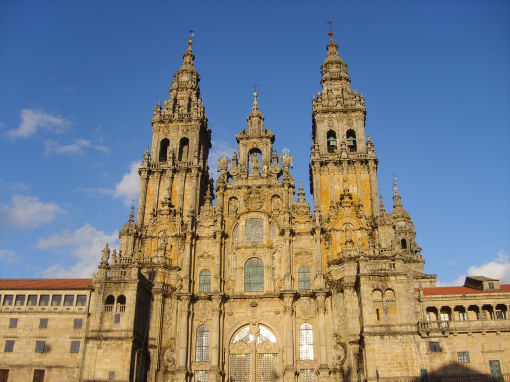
(254,355)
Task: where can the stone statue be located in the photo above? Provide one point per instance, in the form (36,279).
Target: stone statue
(106,255)
(162,241)
(255,164)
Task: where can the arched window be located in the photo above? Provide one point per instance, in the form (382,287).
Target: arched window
(108,303)
(331,141)
(188,108)
(351,140)
(305,341)
(121,303)
(202,345)
(163,148)
(304,278)
(204,282)
(254,275)
(403,243)
(183,149)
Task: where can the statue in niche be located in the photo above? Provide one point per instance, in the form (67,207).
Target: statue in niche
(348,235)
(275,204)
(255,164)
(233,206)
(162,241)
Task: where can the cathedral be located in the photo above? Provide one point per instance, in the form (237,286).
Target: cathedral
(239,280)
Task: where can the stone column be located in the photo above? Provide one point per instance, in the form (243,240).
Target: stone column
(144,179)
(316,188)
(321,307)
(186,263)
(194,191)
(372,172)
(288,313)
(215,340)
(156,192)
(182,337)
(319,279)
(216,274)
(155,331)
(287,280)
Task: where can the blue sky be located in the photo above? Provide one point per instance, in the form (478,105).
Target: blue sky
(79,79)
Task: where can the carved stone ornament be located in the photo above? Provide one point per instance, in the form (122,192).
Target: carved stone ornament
(254,199)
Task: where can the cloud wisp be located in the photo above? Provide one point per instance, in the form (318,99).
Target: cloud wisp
(33,120)
(28,212)
(84,247)
(498,268)
(53,147)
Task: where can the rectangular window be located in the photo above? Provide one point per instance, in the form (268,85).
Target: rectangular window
(111,375)
(56,300)
(500,315)
(43,323)
(8,300)
(39,346)
(44,300)
(463,356)
(32,300)
(435,347)
(9,346)
(20,300)
(13,323)
(4,375)
(253,230)
(68,300)
(201,376)
(491,285)
(306,375)
(75,347)
(495,368)
(424,375)
(81,300)
(38,375)
(78,322)
(116,318)
(462,316)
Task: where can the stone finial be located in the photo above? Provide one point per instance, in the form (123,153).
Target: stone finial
(381,203)
(301,191)
(255,119)
(397,200)
(146,158)
(132,213)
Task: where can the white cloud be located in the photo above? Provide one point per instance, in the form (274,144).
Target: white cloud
(219,148)
(32,120)
(75,148)
(498,268)
(82,245)
(27,212)
(8,256)
(128,187)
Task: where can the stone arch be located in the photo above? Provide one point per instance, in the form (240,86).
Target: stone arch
(350,136)
(331,141)
(183,149)
(255,165)
(163,150)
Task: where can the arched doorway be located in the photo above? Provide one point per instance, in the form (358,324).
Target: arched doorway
(254,355)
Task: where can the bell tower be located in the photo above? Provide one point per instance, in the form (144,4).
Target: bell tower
(174,176)
(342,159)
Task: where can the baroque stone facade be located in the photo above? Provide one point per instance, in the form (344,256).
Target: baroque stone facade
(257,286)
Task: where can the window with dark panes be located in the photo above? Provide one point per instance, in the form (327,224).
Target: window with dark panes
(43,323)
(44,300)
(116,318)
(20,300)
(8,299)
(13,323)
(78,322)
(81,300)
(4,375)
(39,346)
(9,346)
(204,282)
(463,356)
(304,278)
(202,344)
(254,275)
(435,347)
(69,300)
(38,375)
(75,347)
(56,300)
(32,300)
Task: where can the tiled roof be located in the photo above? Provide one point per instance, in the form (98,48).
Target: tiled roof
(505,288)
(45,283)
